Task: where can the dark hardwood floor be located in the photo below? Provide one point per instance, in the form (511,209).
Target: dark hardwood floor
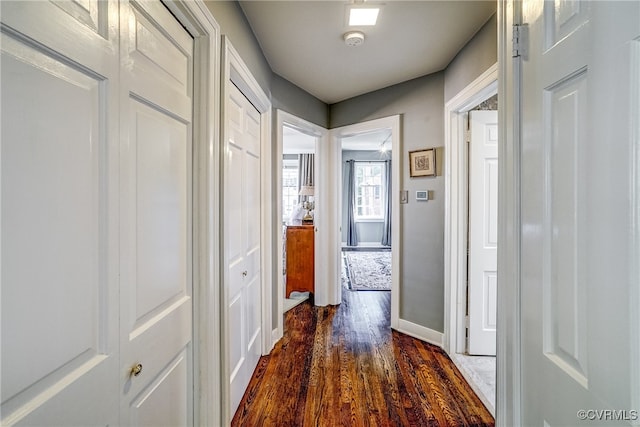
(343,366)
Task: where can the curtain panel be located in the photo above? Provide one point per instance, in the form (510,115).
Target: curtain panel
(386,228)
(352,232)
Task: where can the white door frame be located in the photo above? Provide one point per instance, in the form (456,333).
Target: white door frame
(393,123)
(508,356)
(236,72)
(320,133)
(456,205)
(197,19)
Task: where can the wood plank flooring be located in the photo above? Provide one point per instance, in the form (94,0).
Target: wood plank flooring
(344,366)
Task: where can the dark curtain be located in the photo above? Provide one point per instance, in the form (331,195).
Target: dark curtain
(386,228)
(352,232)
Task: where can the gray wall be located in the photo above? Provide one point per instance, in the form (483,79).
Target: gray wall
(367,231)
(421,104)
(283,94)
(480,53)
(234,25)
(290,98)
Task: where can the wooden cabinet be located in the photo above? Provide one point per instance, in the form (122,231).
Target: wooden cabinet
(300,264)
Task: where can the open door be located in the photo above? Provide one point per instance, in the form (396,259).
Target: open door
(483,232)
(579,213)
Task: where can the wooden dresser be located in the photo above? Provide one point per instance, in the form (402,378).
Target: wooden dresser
(300,263)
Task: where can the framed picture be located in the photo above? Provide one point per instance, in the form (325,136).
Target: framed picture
(422,163)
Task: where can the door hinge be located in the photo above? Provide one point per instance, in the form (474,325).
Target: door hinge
(467,135)
(520,40)
(466,322)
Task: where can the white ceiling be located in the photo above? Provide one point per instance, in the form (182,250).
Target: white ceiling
(303,42)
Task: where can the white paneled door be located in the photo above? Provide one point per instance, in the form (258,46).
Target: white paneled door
(95,214)
(483,232)
(242,241)
(579,209)
(155,205)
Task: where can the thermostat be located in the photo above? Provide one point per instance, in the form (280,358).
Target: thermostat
(422,195)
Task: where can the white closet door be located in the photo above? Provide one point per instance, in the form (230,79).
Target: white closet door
(156,277)
(96,204)
(59,233)
(242,240)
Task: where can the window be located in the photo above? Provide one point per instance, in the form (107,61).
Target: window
(289,188)
(370,191)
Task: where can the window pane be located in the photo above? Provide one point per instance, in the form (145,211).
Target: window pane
(369,190)
(289,191)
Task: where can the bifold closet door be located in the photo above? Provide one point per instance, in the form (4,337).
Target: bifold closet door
(59,216)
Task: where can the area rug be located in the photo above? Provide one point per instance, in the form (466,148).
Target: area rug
(368,271)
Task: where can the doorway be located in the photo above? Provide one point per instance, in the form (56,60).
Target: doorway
(366,211)
(367,154)
(477,360)
(467,298)
(298,203)
(297,137)
(247,269)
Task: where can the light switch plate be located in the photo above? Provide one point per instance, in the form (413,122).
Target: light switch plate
(404,196)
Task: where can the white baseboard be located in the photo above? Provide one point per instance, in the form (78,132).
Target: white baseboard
(421,332)
(276,335)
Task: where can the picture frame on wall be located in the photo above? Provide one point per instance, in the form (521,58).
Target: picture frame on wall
(422,163)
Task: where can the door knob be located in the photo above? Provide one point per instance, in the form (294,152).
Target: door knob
(136,370)
(244,273)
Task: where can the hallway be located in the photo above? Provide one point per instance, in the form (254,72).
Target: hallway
(342,365)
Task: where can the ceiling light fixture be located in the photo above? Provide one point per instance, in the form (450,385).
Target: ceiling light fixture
(360,16)
(354,38)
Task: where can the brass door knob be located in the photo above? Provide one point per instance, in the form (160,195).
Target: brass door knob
(136,370)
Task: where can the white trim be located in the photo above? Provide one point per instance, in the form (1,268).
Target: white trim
(455,239)
(508,384)
(328,221)
(195,16)
(393,123)
(236,72)
(320,133)
(420,332)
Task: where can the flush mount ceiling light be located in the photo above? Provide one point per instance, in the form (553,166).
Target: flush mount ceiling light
(363,16)
(354,38)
